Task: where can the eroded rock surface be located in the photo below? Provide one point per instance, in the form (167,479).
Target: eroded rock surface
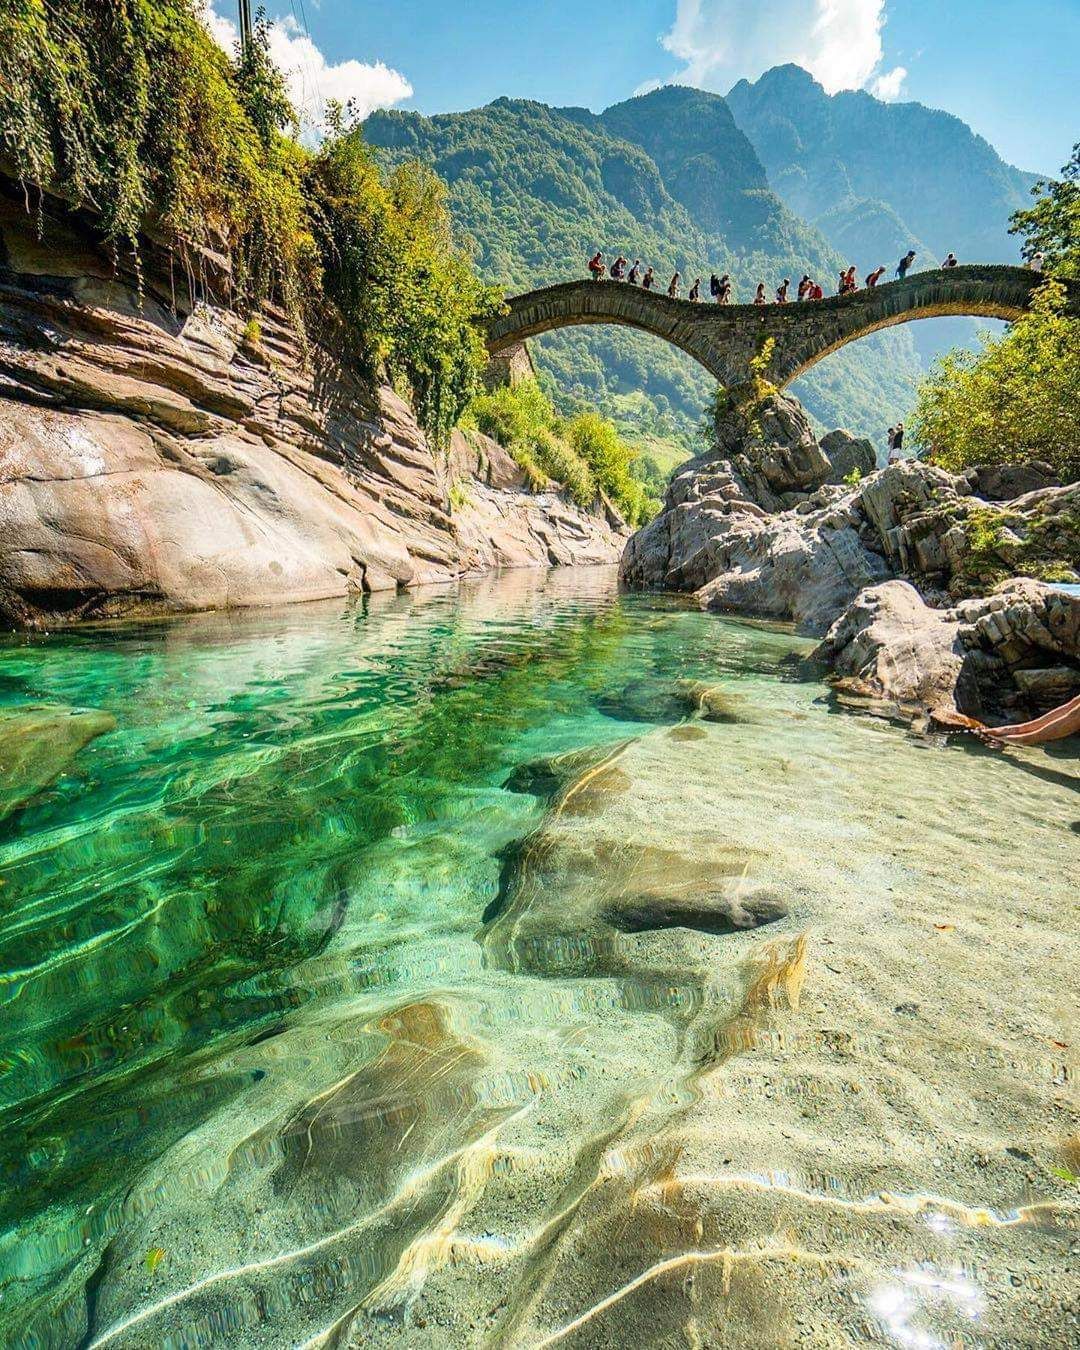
(766,531)
(1009,652)
(156,461)
(908,569)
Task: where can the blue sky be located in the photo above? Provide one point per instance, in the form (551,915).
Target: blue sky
(1011,70)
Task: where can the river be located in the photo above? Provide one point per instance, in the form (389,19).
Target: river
(335,1008)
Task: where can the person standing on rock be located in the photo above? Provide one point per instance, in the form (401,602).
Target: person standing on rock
(673,287)
(596,266)
(648,280)
(782,290)
(890,442)
(874,277)
(759,297)
(635,273)
(905,263)
(950,261)
(898,440)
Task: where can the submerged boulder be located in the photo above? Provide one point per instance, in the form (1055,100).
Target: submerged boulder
(38,743)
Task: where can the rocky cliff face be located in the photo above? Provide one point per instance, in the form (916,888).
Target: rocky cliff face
(764,527)
(158,457)
(908,569)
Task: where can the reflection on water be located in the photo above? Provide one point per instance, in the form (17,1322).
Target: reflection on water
(521,964)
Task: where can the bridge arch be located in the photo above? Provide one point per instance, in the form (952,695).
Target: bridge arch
(724,338)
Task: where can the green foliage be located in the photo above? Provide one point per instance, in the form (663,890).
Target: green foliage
(611,460)
(128,107)
(1001,543)
(1052,225)
(585,453)
(394,274)
(1014,401)
(854,477)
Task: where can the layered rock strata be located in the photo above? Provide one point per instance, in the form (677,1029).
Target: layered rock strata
(157,456)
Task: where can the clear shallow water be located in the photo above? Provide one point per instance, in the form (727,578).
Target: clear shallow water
(314,1032)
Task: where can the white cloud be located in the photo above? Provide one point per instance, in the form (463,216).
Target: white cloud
(312,80)
(837,41)
(890,85)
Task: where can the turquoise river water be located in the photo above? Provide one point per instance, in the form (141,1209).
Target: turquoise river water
(375,974)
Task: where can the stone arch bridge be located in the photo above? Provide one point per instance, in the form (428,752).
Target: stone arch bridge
(724,338)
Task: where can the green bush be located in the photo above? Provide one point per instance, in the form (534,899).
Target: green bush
(129,108)
(611,460)
(584,453)
(1015,400)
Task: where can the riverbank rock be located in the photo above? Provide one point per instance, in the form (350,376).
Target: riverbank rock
(157,458)
(1011,654)
(783,527)
(765,531)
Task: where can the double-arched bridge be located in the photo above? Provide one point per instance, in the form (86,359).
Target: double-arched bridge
(725,338)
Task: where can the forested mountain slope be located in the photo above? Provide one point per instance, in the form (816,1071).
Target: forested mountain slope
(906,174)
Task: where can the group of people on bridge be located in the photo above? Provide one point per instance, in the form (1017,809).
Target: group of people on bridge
(720,288)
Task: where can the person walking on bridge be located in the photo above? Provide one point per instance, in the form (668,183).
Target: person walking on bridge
(618,268)
(596,266)
(635,273)
(648,280)
(695,291)
(723,296)
(850,284)
(815,292)
(950,261)
(673,287)
(782,290)
(759,297)
(874,277)
(904,264)
(804,286)
(714,286)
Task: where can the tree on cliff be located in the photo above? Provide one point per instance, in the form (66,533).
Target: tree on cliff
(1052,225)
(131,111)
(1015,400)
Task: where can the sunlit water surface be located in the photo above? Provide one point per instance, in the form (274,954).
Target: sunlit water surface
(324,1022)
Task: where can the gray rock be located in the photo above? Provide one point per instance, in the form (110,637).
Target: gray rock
(984,656)
(1004,482)
(847,454)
